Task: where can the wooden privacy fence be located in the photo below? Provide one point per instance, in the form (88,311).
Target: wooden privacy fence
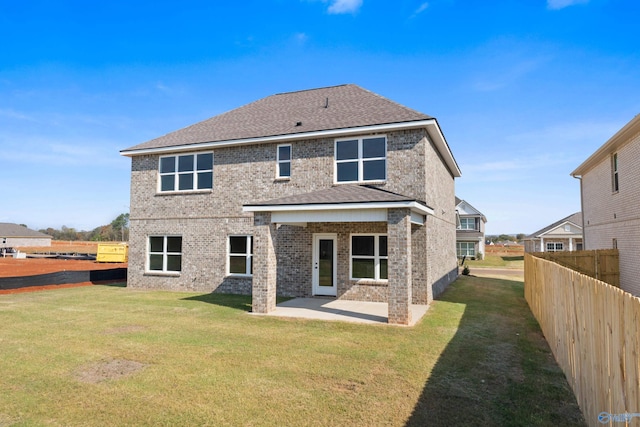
(601,264)
(593,330)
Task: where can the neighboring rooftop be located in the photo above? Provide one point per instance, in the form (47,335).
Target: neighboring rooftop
(575,219)
(17,230)
(335,107)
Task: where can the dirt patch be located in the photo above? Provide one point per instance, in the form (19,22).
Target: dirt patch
(13,267)
(108,370)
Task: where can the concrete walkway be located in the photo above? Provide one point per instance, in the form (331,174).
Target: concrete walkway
(339,310)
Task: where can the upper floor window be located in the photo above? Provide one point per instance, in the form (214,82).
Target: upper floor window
(165,253)
(614,172)
(283,168)
(361,160)
(467,223)
(186,172)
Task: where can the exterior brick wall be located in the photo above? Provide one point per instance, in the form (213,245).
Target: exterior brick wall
(247,174)
(609,215)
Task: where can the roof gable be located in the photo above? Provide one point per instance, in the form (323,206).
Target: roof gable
(575,220)
(464,208)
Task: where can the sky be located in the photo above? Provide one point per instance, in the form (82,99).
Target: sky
(524,91)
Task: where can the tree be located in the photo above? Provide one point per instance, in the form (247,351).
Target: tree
(120,226)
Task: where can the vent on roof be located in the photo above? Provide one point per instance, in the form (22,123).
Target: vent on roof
(298,123)
(326,103)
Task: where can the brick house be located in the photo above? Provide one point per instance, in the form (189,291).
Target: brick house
(610,193)
(562,235)
(469,230)
(334,191)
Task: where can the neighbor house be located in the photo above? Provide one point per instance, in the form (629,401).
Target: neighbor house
(17,236)
(610,192)
(470,230)
(335,191)
(562,235)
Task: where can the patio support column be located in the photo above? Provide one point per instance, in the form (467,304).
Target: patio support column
(399,253)
(263,298)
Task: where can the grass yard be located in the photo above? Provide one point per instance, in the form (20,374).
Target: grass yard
(500,257)
(111,356)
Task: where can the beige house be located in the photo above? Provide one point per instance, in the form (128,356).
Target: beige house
(562,235)
(17,236)
(335,192)
(469,231)
(610,191)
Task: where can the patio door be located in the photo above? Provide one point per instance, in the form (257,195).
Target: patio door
(325,257)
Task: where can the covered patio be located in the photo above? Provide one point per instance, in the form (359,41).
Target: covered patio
(331,309)
(353,207)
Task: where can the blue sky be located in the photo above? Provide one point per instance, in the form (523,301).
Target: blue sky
(523,90)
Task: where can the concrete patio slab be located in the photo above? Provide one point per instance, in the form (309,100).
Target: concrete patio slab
(319,308)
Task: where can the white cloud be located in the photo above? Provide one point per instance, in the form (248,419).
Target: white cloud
(300,38)
(561,4)
(344,6)
(420,9)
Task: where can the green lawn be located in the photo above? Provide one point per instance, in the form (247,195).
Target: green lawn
(498,261)
(111,356)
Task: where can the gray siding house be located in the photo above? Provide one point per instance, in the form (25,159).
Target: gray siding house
(16,236)
(334,191)
(562,235)
(610,193)
(470,230)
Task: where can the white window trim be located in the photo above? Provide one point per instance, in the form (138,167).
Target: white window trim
(279,162)
(467,220)
(164,253)
(557,246)
(615,177)
(360,160)
(248,255)
(376,257)
(473,248)
(176,174)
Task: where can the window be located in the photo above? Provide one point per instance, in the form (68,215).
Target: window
(567,227)
(165,253)
(467,223)
(614,172)
(554,247)
(369,259)
(467,249)
(240,255)
(361,160)
(186,172)
(283,168)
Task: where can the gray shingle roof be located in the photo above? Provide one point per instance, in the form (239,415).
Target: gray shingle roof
(16,230)
(329,108)
(348,193)
(575,218)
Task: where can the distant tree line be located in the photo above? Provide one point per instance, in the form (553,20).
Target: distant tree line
(116,231)
(507,238)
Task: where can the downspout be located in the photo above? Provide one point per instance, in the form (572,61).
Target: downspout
(584,224)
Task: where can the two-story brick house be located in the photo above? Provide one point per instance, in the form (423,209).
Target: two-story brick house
(470,230)
(334,191)
(610,193)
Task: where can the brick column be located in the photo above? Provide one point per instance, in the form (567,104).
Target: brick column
(263,298)
(399,251)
